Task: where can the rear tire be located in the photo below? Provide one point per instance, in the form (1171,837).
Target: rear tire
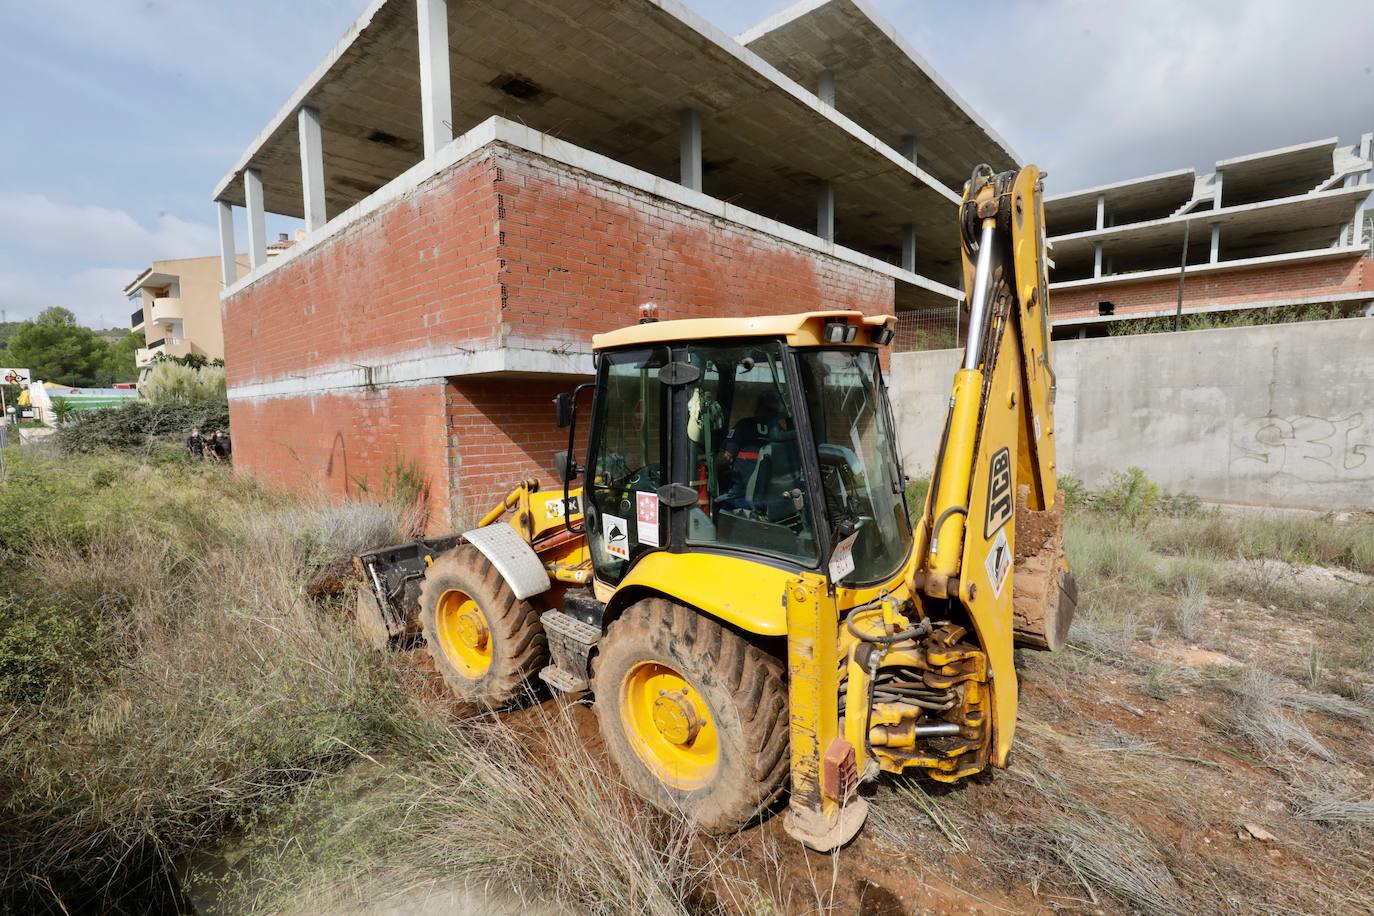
(485,642)
(695,716)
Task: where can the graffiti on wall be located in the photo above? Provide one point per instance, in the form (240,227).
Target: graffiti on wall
(1311,449)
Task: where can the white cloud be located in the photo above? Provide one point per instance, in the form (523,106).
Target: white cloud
(1098,92)
(99,234)
(81,256)
(94,295)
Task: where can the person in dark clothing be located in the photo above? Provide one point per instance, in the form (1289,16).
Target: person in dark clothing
(195,444)
(220,446)
(744,442)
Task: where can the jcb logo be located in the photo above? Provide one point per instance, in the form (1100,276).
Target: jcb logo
(1000,505)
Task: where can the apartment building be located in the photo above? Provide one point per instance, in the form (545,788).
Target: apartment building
(487,184)
(1280,228)
(176,308)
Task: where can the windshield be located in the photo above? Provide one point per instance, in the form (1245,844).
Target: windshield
(860,475)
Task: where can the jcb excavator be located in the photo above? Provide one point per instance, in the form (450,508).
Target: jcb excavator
(739,582)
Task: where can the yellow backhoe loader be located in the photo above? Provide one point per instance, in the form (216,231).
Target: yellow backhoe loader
(739,582)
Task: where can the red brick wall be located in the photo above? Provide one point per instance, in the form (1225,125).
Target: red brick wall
(583,253)
(343,445)
(503,245)
(503,431)
(419,275)
(1259,284)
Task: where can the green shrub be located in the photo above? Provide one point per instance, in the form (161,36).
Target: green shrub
(42,647)
(141,426)
(1130,495)
(1073,491)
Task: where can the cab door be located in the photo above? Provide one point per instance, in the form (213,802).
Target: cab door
(627,461)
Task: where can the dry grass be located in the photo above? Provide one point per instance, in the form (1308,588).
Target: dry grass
(212,687)
(526,816)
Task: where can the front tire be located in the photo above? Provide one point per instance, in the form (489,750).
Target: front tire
(485,642)
(694,715)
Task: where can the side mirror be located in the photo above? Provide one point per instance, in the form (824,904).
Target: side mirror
(567,470)
(563,409)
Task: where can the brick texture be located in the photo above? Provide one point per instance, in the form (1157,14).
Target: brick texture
(504,247)
(348,445)
(1259,284)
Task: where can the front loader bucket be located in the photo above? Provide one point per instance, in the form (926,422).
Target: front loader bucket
(1044,595)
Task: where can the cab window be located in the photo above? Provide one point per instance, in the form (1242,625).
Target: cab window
(628,458)
(744,457)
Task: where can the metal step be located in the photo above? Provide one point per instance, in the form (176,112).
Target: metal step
(570,648)
(561,680)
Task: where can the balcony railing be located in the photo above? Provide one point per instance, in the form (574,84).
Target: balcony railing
(166,310)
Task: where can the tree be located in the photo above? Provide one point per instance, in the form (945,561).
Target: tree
(119,359)
(57,349)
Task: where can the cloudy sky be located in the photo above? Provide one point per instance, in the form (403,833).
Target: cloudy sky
(120,115)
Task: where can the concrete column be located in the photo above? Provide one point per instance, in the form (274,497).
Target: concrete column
(228,253)
(1216,242)
(1097,259)
(689,149)
(825,88)
(312,167)
(1216,192)
(257,220)
(1101,211)
(436,94)
(909,147)
(825,211)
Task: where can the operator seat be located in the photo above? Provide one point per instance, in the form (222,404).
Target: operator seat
(777,472)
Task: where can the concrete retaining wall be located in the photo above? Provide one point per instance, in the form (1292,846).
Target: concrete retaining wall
(1281,415)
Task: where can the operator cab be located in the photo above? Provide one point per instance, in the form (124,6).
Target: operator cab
(771,438)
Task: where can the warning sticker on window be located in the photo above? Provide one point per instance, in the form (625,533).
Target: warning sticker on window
(998,563)
(842,560)
(646,518)
(615,535)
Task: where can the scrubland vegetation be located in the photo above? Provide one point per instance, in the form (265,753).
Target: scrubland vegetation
(183,725)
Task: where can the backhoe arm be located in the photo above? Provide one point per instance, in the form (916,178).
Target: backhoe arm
(997,452)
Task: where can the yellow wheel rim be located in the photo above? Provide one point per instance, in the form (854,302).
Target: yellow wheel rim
(464,637)
(669,725)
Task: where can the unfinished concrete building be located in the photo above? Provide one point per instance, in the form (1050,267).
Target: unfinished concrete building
(1281,228)
(486,184)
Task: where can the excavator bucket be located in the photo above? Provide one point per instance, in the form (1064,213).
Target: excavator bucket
(1044,594)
